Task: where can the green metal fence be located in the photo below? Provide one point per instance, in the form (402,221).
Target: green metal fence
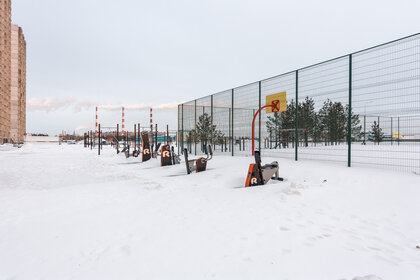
(358,109)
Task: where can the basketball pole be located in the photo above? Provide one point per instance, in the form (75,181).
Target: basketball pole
(253,123)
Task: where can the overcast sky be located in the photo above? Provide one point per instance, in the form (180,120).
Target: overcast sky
(83,53)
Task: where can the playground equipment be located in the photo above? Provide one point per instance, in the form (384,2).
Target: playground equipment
(260,175)
(198,164)
(155,144)
(257,174)
(136,150)
(274,103)
(126,149)
(167,154)
(155,150)
(146,155)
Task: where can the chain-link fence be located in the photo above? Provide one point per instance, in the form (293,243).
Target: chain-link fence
(359,109)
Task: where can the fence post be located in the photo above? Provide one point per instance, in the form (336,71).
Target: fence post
(364,129)
(296,114)
(349,113)
(204,129)
(230,130)
(211,125)
(135,137)
(259,117)
(233,143)
(182,128)
(99,140)
(177,131)
(391,131)
(378,130)
(195,127)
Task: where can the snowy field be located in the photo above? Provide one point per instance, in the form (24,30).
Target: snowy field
(67,213)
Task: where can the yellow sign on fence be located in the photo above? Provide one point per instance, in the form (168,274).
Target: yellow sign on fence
(279,101)
(396,135)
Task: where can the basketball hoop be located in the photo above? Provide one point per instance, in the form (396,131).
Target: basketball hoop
(274,103)
(275,106)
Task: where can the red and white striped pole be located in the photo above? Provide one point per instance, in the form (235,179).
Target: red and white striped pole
(151,119)
(151,116)
(96,121)
(123,121)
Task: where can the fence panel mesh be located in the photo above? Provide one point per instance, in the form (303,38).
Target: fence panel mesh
(358,109)
(222,119)
(278,129)
(204,131)
(386,96)
(189,126)
(323,111)
(245,105)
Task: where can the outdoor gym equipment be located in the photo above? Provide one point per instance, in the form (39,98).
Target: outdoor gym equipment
(146,146)
(126,150)
(257,174)
(127,146)
(198,164)
(168,156)
(155,150)
(176,159)
(260,175)
(274,103)
(136,149)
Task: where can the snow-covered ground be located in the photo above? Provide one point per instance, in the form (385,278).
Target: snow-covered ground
(67,213)
(392,156)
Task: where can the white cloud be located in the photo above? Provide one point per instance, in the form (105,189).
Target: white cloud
(141,106)
(54,104)
(49,104)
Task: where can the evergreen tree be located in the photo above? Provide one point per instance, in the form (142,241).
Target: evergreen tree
(325,122)
(376,133)
(280,121)
(333,124)
(340,122)
(218,136)
(307,118)
(274,121)
(204,129)
(356,127)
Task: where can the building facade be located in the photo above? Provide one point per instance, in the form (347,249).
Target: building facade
(12,77)
(18,85)
(5,64)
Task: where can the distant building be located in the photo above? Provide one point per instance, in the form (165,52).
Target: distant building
(18,85)
(5,64)
(41,139)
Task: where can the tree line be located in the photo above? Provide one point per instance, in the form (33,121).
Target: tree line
(328,125)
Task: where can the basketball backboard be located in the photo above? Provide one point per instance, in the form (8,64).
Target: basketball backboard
(278,100)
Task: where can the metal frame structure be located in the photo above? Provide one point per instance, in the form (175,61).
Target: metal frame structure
(356,97)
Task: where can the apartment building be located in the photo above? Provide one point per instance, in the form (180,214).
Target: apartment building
(12,77)
(18,85)
(5,64)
